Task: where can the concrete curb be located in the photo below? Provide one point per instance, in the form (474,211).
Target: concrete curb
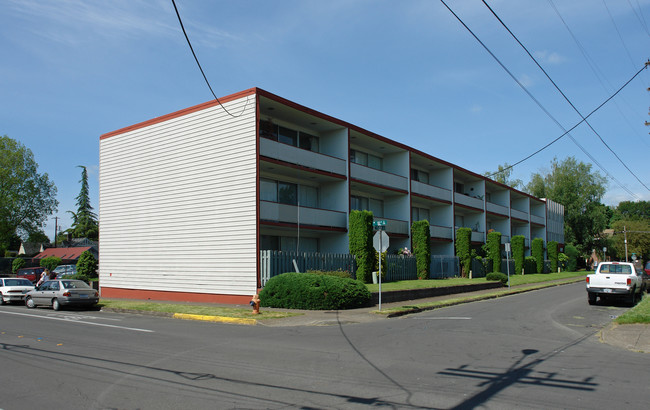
(222,319)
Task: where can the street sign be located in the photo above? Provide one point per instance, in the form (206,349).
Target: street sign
(380,241)
(381,224)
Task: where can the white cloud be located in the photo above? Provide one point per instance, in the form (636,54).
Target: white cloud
(546,57)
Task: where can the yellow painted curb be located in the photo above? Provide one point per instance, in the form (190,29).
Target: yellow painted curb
(224,319)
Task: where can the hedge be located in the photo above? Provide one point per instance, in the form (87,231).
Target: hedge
(463,249)
(421,237)
(551,250)
(537,250)
(518,247)
(295,290)
(494,250)
(360,237)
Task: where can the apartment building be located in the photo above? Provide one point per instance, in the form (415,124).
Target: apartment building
(188,200)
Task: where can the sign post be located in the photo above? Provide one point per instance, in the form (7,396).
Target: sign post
(380,243)
(508,261)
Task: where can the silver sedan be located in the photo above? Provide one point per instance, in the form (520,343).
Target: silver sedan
(62,292)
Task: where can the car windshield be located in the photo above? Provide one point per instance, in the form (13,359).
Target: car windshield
(17,282)
(612,268)
(74,284)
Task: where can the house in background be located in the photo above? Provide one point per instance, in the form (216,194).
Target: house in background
(30,249)
(188,200)
(69,256)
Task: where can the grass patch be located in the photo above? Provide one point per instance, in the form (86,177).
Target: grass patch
(193,309)
(638,314)
(438,283)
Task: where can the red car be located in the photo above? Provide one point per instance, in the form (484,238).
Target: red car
(31,274)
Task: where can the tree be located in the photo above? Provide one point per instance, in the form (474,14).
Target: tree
(27,198)
(84,221)
(38,237)
(360,243)
(51,262)
(631,211)
(504,176)
(574,185)
(638,238)
(87,265)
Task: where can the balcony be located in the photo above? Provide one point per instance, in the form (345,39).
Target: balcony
(303,157)
(537,219)
(443,232)
(519,214)
(497,209)
(466,200)
(276,212)
(378,177)
(430,191)
(478,236)
(504,239)
(395,226)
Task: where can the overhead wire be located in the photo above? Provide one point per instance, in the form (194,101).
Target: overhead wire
(189,43)
(564,95)
(543,108)
(599,75)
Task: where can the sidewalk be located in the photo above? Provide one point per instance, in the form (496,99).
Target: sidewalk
(631,337)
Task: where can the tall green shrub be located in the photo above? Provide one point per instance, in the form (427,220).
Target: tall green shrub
(463,249)
(87,264)
(551,250)
(537,249)
(518,248)
(421,237)
(494,250)
(360,238)
(51,262)
(17,264)
(572,253)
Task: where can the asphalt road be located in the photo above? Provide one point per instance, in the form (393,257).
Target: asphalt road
(533,350)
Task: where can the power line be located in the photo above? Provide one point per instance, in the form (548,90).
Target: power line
(541,106)
(180,21)
(562,93)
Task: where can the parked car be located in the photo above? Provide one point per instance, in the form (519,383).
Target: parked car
(65,270)
(14,289)
(62,292)
(31,274)
(646,276)
(616,280)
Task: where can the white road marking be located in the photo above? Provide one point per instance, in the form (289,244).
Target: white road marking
(78,321)
(443,318)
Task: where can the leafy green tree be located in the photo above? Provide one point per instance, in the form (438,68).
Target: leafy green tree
(494,250)
(518,244)
(463,249)
(38,237)
(51,262)
(18,263)
(504,176)
(360,243)
(27,198)
(537,251)
(84,221)
(638,238)
(573,184)
(87,265)
(421,247)
(631,211)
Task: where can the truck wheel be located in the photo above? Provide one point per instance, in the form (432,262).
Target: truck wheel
(592,298)
(632,298)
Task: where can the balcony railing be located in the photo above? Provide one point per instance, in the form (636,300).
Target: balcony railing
(273,211)
(430,191)
(299,156)
(395,225)
(497,209)
(443,232)
(537,219)
(468,200)
(378,177)
(519,214)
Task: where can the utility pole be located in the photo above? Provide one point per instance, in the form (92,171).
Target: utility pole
(56,229)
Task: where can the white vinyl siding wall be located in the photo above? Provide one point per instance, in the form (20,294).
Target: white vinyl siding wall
(178,204)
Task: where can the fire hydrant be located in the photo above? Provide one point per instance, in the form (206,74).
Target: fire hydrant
(255,303)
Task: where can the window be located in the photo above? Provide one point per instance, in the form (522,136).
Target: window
(287,193)
(459,187)
(359,203)
(288,136)
(366,159)
(420,176)
(288,243)
(419,214)
(459,221)
(308,196)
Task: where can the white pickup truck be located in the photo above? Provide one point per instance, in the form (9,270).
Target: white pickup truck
(615,280)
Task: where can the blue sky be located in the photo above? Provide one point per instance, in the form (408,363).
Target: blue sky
(408,70)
